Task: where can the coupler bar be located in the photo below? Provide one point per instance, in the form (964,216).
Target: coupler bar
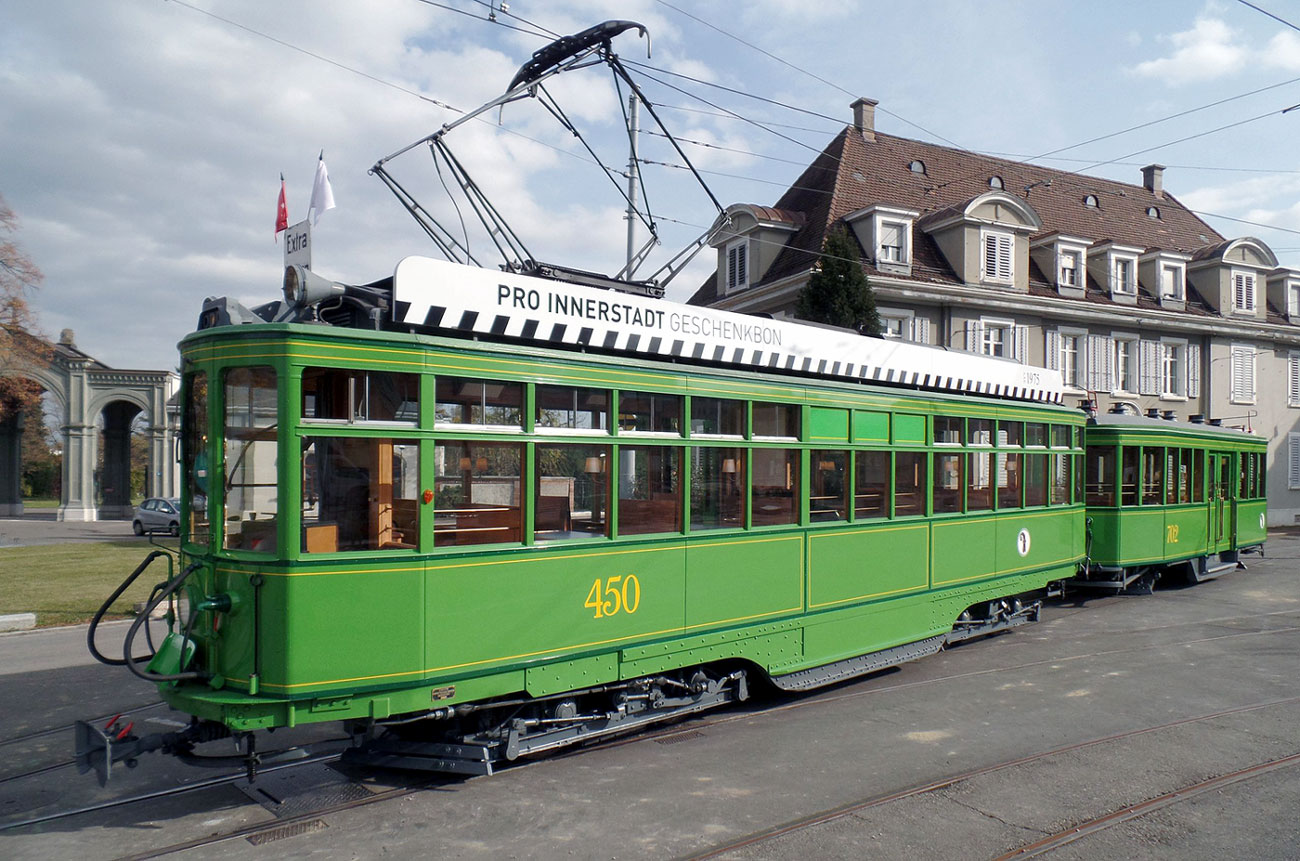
(99,749)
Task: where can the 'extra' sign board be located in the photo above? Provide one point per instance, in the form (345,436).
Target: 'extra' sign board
(297,245)
(434,294)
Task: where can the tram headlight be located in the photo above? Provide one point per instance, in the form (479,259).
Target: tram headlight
(302,287)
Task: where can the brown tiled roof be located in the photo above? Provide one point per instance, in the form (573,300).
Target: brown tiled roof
(852,173)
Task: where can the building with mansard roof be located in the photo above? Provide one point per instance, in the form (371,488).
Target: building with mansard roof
(1137,303)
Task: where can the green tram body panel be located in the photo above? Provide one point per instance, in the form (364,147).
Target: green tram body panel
(1144,532)
(327,636)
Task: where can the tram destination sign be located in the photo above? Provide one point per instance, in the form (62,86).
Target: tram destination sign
(437,295)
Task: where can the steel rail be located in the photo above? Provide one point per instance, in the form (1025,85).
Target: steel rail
(946,782)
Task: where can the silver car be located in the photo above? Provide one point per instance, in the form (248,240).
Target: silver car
(158,515)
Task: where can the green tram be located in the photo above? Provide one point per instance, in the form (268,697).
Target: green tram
(473,549)
(1169,497)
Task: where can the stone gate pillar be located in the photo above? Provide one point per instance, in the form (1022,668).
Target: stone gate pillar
(11,458)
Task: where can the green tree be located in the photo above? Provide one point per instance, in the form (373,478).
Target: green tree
(838,293)
(20,345)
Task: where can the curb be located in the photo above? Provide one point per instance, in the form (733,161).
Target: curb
(18,622)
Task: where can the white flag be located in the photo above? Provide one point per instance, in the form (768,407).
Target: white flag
(322,196)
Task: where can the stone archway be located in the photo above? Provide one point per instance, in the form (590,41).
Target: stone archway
(84,388)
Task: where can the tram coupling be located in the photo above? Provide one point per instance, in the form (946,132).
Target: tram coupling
(99,748)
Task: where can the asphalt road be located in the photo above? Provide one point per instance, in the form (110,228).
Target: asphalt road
(39,526)
(1159,726)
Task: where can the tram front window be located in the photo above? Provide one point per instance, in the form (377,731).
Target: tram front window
(360,493)
(251,462)
(195,448)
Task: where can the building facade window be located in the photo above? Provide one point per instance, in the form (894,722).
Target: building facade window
(1243,292)
(998,262)
(1125,365)
(1242,373)
(737,265)
(1070,359)
(1173,369)
(1293,302)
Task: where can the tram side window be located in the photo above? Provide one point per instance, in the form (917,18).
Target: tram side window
(1152,475)
(948,430)
(195,448)
(775,489)
(776,420)
(360,493)
(1198,475)
(1011,433)
(479,402)
(1100,479)
(340,394)
(1060,436)
(981,431)
(476,493)
(1184,474)
(1059,489)
(1035,433)
(572,493)
(871,496)
(643,412)
(1010,473)
(1035,479)
(649,489)
(948,482)
(717,417)
(572,408)
(979,495)
(1129,476)
(829,486)
(717,488)
(910,482)
(251,459)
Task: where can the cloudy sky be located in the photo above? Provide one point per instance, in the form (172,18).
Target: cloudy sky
(142,141)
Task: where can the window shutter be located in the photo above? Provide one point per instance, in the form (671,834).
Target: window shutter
(1293,461)
(1148,368)
(921,330)
(1020,344)
(1105,361)
(1005,247)
(1053,350)
(1293,380)
(1248,374)
(973,333)
(1193,370)
(742,265)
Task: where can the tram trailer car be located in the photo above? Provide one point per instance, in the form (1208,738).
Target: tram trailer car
(1169,497)
(471,547)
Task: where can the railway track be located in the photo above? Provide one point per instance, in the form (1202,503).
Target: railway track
(1053,841)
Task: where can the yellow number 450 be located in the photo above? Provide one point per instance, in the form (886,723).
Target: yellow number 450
(1171,533)
(616,595)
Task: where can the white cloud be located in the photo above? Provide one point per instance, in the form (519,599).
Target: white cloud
(1211,49)
(1283,51)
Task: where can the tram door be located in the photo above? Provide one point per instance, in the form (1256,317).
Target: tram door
(1222,492)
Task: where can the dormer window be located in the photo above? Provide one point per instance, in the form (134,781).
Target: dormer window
(995,182)
(886,234)
(1123,278)
(1293,302)
(893,244)
(737,265)
(1090,200)
(1153,212)
(916,166)
(1068,271)
(1243,292)
(1173,285)
(998,260)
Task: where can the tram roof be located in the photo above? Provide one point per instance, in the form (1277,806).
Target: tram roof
(435,295)
(1125,421)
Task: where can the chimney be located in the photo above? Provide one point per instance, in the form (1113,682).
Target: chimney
(1153,179)
(864,117)
(65,338)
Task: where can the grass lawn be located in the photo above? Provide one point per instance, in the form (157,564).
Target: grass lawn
(64,584)
(33,502)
